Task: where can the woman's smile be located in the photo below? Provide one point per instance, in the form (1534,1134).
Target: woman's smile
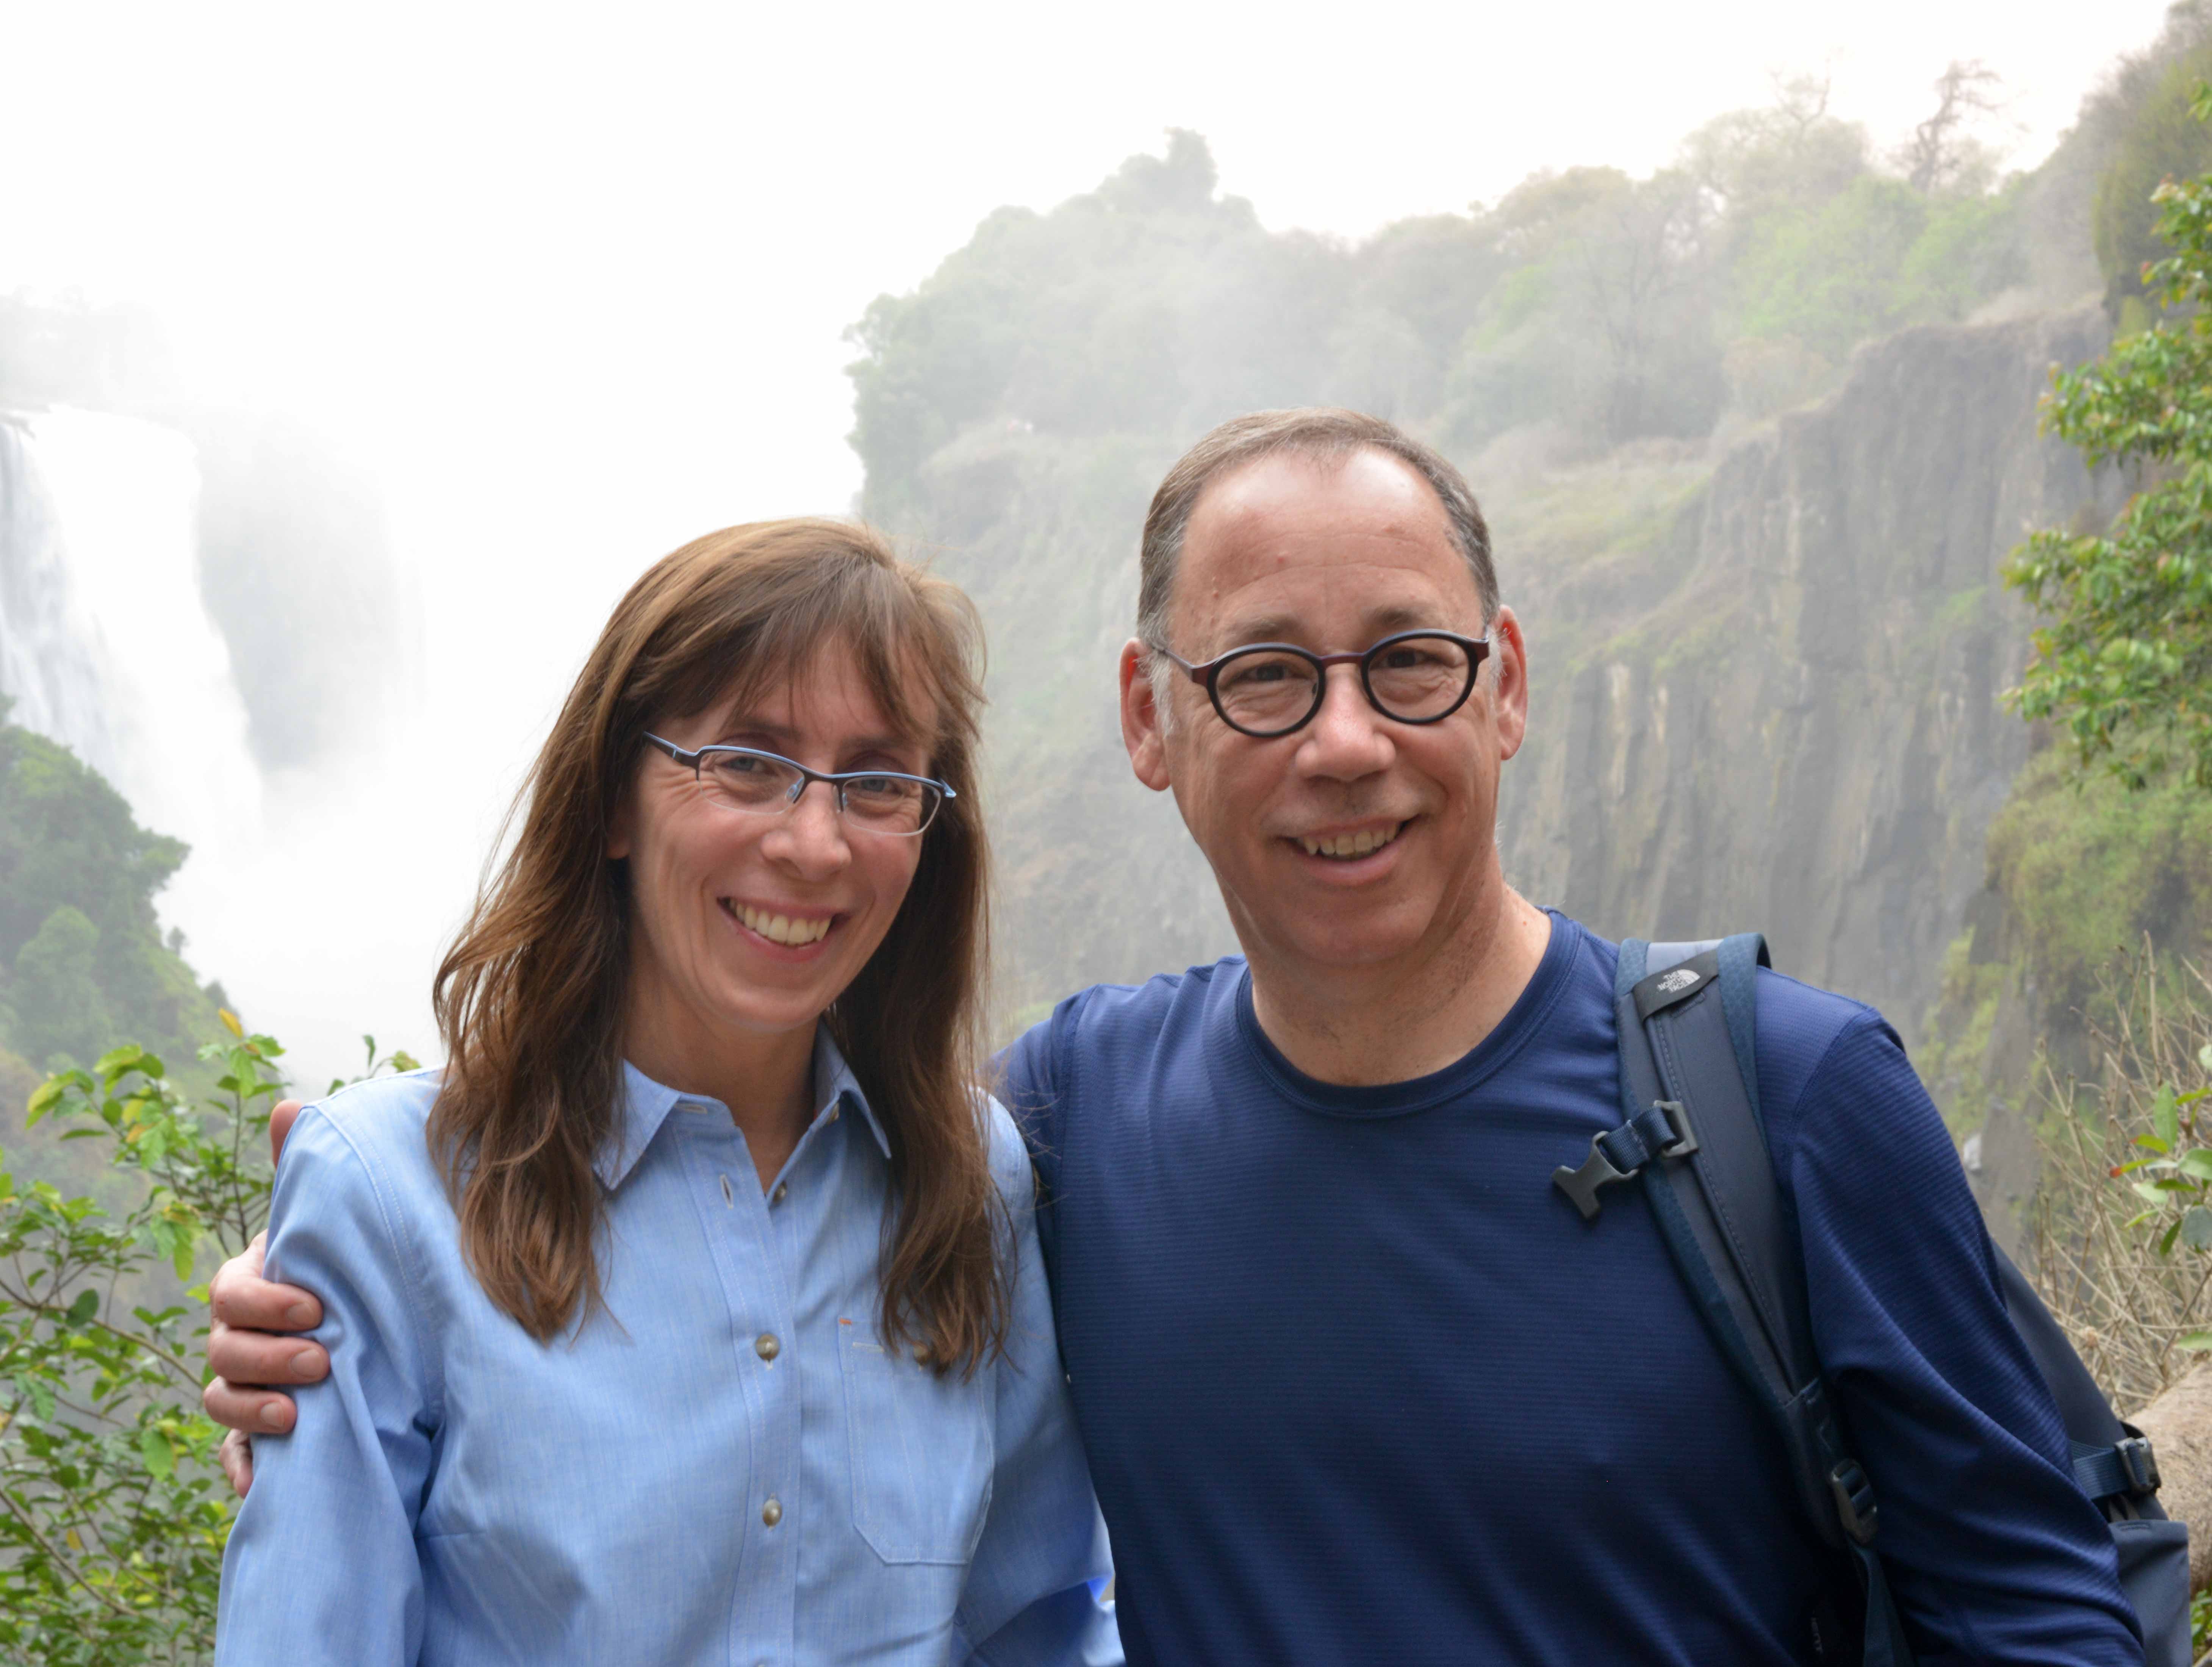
(785,928)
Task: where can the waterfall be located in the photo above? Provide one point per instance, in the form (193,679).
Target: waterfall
(105,643)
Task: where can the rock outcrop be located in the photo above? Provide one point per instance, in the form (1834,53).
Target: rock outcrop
(1785,716)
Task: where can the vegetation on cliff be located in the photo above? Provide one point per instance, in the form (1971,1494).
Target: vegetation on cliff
(2123,656)
(83,960)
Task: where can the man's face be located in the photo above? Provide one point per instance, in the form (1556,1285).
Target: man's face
(1332,556)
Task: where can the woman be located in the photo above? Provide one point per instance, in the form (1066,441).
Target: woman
(710,1035)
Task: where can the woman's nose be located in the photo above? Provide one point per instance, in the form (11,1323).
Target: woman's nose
(811,834)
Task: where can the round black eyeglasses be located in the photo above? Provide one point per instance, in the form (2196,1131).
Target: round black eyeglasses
(744,778)
(1270,689)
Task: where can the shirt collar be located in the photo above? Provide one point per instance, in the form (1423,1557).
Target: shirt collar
(646,1104)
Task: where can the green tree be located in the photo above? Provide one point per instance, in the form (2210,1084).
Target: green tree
(58,1006)
(78,877)
(2125,657)
(2160,140)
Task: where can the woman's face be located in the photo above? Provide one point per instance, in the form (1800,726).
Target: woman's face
(754,923)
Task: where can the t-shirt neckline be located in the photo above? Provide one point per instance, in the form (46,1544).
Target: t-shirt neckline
(1523,1022)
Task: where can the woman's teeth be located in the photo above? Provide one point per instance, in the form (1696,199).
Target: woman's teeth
(1353,844)
(781,929)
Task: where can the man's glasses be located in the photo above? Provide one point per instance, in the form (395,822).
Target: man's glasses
(1270,689)
(744,778)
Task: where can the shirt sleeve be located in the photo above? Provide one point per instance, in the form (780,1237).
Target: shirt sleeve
(1994,1554)
(322,1565)
(1034,1589)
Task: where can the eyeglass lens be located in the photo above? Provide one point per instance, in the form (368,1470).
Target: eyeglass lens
(762,786)
(1270,690)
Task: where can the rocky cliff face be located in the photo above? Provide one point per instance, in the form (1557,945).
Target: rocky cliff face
(1766,688)
(1782,713)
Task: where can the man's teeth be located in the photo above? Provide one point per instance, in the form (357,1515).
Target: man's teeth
(1353,844)
(781,928)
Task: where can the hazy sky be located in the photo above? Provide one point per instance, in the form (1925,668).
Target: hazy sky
(572,282)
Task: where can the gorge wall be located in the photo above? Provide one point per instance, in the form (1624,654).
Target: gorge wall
(1784,713)
(1765,674)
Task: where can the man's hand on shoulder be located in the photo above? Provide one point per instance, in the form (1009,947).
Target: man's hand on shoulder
(251,1349)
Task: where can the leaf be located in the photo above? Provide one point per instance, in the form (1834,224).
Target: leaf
(404,1060)
(2196,1227)
(230,1021)
(42,1100)
(2194,1342)
(182,1262)
(2197,1163)
(2152,1143)
(2165,1239)
(160,1457)
(86,1305)
(2164,1122)
(115,1061)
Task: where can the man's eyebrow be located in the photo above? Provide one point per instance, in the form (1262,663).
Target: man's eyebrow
(1379,623)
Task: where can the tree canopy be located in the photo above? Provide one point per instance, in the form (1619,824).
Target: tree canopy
(1610,307)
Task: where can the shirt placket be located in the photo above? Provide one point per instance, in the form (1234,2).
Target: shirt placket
(756,1283)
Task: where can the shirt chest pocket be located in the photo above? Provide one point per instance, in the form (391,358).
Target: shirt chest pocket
(922,1450)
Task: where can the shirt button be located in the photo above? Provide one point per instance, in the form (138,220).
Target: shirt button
(772,1513)
(781,1187)
(766,1345)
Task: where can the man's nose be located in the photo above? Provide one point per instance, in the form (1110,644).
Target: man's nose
(1345,739)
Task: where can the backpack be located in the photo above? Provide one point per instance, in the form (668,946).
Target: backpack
(1689,1092)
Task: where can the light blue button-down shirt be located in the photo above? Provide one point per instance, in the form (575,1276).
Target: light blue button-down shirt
(725,1466)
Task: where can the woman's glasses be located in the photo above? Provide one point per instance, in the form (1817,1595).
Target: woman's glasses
(744,778)
(1270,689)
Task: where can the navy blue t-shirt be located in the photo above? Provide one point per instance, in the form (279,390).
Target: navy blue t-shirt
(1358,1384)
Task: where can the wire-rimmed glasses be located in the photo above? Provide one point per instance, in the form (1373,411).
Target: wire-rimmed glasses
(1269,689)
(757,784)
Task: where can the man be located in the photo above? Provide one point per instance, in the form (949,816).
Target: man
(1355,1383)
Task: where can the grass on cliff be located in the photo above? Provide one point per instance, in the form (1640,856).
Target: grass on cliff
(2131,1286)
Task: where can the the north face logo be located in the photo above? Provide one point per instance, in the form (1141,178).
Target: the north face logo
(1680,978)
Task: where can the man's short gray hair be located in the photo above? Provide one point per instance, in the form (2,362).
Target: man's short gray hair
(1325,433)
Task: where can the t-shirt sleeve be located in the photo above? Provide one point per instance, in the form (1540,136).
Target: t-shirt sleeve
(1994,1553)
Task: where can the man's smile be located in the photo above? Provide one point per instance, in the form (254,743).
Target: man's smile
(1352,844)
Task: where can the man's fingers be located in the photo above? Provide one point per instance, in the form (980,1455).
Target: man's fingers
(280,1124)
(247,1409)
(238,1296)
(237,1455)
(260,1358)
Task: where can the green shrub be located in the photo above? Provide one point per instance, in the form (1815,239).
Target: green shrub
(113,1511)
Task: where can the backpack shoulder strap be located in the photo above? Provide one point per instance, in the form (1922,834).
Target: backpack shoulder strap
(1685,1017)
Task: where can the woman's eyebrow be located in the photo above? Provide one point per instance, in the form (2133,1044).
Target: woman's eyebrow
(784,735)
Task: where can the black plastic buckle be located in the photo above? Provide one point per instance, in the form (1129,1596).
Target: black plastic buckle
(2138,1464)
(1631,1140)
(1854,1506)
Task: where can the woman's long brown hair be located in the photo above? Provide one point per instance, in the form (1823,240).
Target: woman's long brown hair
(530,999)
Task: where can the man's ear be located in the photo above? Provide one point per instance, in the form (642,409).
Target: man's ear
(1140,720)
(1509,690)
